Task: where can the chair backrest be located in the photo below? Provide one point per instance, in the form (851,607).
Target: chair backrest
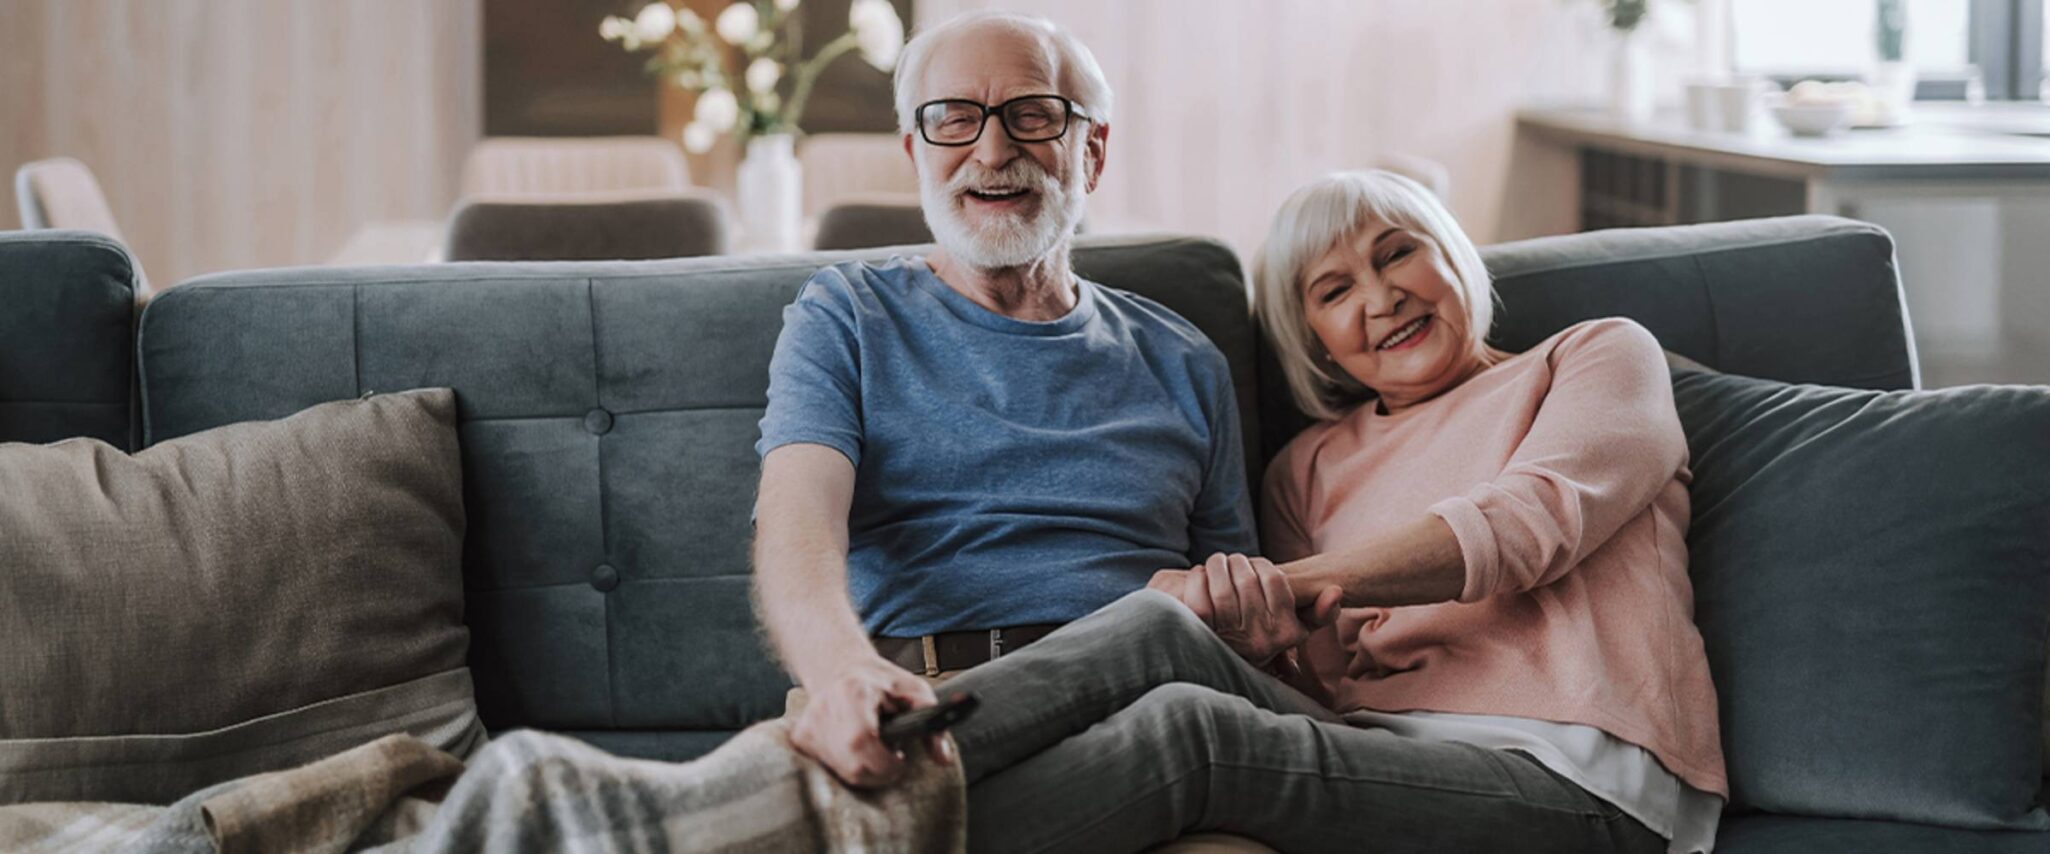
(552,166)
(62,193)
(841,165)
(868,220)
(588,227)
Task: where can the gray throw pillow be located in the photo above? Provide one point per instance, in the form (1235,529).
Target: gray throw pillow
(246,599)
(1872,579)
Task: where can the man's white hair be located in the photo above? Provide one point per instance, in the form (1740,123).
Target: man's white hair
(1076,73)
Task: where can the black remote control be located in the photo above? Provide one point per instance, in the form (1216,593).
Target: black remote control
(900,729)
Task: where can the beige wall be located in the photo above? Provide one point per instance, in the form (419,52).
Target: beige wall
(1224,106)
(243,133)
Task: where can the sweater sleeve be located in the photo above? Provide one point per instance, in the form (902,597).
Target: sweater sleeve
(1604,441)
(1283,536)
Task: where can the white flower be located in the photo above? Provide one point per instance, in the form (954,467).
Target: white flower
(717,109)
(697,139)
(738,23)
(689,22)
(785,5)
(655,22)
(614,28)
(878,31)
(762,75)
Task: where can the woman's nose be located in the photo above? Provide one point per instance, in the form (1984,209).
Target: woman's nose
(1382,300)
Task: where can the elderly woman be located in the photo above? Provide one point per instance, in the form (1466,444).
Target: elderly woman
(1514,666)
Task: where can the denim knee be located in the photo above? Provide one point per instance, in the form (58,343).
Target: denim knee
(1184,719)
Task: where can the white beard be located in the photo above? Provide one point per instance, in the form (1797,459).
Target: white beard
(1003,240)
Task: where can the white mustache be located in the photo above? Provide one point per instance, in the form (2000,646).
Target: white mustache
(1021,172)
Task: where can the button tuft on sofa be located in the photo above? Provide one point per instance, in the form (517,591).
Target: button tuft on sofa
(598,421)
(604,578)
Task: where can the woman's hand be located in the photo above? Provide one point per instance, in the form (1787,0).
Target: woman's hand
(1247,601)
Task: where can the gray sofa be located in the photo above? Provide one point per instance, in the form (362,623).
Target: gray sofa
(609,408)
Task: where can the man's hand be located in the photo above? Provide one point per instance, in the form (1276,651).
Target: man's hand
(1248,603)
(842,720)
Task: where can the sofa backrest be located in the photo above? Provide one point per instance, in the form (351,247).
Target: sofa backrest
(67,326)
(1805,299)
(608,414)
(609,409)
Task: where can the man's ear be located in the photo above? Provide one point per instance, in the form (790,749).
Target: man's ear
(907,152)
(1094,148)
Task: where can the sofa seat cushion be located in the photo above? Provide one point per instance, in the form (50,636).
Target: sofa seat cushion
(1777,834)
(241,600)
(1872,583)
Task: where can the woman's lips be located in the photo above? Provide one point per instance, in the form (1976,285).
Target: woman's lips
(1430,325)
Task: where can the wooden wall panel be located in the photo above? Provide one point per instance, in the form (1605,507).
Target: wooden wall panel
(245,133)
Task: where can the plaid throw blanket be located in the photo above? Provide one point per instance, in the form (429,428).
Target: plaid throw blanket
(525,791)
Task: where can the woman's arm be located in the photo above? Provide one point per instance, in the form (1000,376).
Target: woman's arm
(1603,443)
(1416,564)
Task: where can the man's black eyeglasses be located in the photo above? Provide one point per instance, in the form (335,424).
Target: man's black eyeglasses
(1031,118)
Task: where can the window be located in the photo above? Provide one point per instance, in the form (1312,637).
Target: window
(1949,42)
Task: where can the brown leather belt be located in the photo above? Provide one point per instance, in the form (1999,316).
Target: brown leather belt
(949,651)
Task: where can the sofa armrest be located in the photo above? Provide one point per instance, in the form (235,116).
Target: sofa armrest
(67,333)
(1809,299)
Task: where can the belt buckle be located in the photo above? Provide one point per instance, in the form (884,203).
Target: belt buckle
(996,644)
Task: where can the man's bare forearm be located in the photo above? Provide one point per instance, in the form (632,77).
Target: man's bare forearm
(801,595)
(800,560)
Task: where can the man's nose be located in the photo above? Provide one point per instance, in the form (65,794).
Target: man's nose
(996,147)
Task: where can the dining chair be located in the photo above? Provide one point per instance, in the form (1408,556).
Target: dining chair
(588,227)
(838,166)
(553,166)
(60,192)
(866,220)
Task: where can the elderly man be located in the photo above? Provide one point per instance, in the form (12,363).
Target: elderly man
(964,451)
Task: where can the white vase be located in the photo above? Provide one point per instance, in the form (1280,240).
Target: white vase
(771,190)
(1893,89)
(1630,78)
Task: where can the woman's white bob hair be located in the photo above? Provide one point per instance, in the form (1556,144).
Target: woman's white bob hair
(1316,218)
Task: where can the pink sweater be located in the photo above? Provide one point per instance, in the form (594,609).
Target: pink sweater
(1563,473)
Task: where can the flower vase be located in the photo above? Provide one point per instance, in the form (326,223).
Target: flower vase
(1630,78)
(771,188)
(1893,88)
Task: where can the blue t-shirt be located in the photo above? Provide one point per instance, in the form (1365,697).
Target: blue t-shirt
(1007,472)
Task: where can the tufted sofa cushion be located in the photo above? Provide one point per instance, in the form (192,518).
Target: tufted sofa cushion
(607,414)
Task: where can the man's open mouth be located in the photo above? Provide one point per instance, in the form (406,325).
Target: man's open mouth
(998,195)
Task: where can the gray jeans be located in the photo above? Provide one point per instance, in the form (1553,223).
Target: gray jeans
(1136,725)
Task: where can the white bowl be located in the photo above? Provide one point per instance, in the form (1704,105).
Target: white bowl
(1814,119)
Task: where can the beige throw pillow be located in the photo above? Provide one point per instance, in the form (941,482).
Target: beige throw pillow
(246,599)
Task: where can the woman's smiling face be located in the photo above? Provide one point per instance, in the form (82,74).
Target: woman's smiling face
(1386,306)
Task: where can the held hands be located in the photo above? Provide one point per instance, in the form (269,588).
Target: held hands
(1248,602)
(842,721)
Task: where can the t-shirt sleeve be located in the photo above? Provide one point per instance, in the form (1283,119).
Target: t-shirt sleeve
(1222,520)
(1604,441)
(815,374)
